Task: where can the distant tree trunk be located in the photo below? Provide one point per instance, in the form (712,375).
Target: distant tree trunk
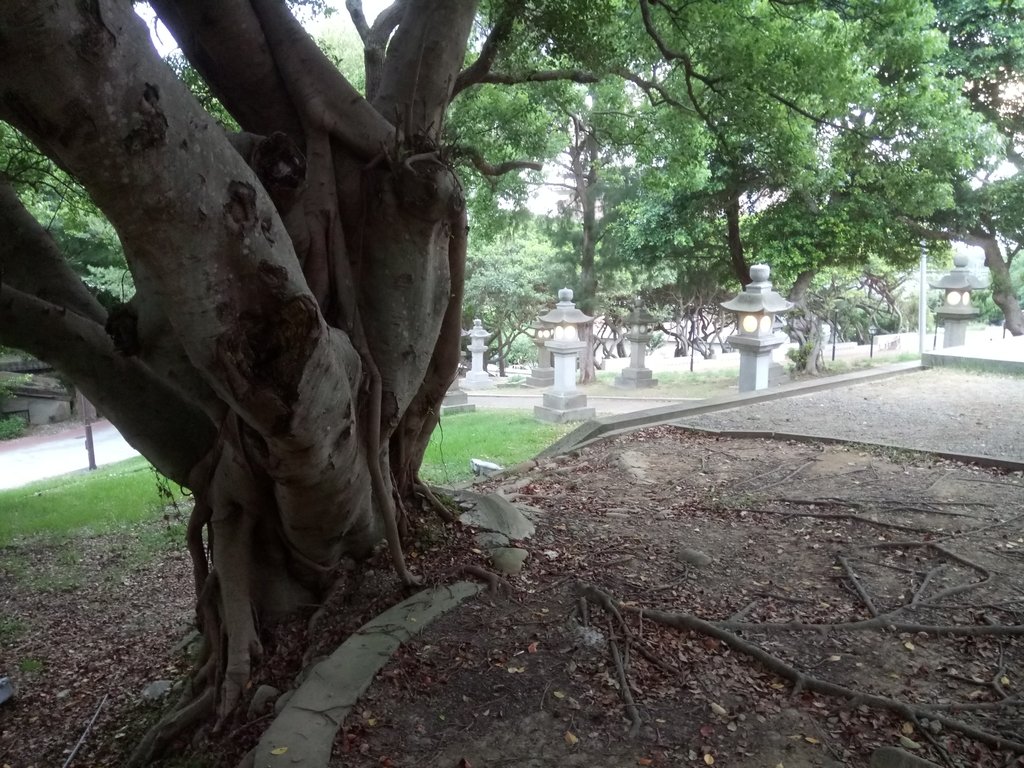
(806,325)
(583,160)
(737,259)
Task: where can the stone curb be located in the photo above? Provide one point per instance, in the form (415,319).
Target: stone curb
(605,426)
(996,462)
(301,736)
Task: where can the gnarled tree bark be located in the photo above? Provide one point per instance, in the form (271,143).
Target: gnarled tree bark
(298,287)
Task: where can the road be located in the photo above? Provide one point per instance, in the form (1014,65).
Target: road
(28,459)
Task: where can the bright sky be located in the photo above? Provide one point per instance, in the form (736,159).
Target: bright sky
(166,44)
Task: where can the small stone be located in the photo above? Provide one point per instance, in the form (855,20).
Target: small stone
(261,700)
(156,690)
(694,557)
(495,513)
(490,540)
(508,560)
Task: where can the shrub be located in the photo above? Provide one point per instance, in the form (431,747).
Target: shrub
(12,427)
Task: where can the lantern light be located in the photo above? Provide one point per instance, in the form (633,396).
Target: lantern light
(953,298)
(748,323)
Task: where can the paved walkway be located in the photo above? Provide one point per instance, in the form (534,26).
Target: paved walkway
(28,459)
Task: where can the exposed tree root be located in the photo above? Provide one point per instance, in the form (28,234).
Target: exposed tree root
(433,502)
(182,717)
(495,583)
(800,680)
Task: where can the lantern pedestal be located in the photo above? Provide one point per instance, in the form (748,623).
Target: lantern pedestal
(564,403)
(542,375)
(756,359)
(456,401)
(635,378)
(540,378)
(954,325)
(563,408)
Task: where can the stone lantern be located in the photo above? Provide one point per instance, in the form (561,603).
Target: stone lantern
(477,377)
(957,311)
(755,337)
(636,376)
(542,374)
(563,402)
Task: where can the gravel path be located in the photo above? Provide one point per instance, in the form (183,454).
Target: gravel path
(938,409)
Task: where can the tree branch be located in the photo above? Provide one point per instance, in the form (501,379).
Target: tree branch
(539,76)
(487,169)
(375,39)
(226,45)
(476,71)
(31,262)
(322,96)
(169,431)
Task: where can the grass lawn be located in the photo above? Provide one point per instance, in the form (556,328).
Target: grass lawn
(108,498)
(503,437)
(126,493)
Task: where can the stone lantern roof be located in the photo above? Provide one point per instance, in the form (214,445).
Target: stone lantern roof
(565,311)
(758,296)
(960,278)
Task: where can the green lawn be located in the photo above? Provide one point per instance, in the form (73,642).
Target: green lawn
(108,498)
(122,494)
(503,437)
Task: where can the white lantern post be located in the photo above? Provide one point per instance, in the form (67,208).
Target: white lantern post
(477,377)
(755,339)
(957,311)
(564,402)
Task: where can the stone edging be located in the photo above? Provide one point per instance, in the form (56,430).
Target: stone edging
(301,736)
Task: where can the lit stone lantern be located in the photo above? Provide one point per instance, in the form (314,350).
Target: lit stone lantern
(542,375)
(477,377)
(636,376)
(563,402)
(755,337)
(957,311)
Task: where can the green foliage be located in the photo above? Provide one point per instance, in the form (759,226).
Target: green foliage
(799,356)
(12,427)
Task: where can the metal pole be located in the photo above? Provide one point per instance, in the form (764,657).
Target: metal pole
(90,448)
(835,329)
(85,410)
(922,300)
(871,353)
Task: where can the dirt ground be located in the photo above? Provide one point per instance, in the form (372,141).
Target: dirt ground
(740,533)
(935,548)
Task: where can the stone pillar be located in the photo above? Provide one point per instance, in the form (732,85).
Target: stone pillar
(564,402)
(543,373)
(455,400)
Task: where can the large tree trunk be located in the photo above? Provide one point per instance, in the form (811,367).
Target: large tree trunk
(296,322)
(583,161)
(1003,293)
